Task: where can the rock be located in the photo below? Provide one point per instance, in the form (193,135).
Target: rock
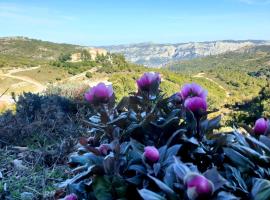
(18,165)
(27,196)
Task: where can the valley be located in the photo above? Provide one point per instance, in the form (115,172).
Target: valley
(227,69)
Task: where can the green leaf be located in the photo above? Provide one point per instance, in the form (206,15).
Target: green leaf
(208,126)
(166,189)
(180,169)
(149,195)
(102,188)
(137,146)
(254,143)
(170,153)
(138,168)
(169,177)
(120,186)
(226,196)
(261,189)
(238,159)
(214,176)
(136,180)
(234,176)
(109,164)
(85,159)
(265,140)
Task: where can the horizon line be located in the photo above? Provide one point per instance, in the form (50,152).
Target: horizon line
(138,43)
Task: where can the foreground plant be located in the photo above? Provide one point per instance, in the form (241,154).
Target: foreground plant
(150,147)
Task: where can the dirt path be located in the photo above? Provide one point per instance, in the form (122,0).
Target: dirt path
(39,86)
(13,71)
(202,75)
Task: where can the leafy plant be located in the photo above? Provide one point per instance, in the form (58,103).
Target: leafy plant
(151,147)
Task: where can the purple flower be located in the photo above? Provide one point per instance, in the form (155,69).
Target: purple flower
(71,197)
(151,154)
(99,93)
(196,104)
(149,81)
(261,126)
(104,149)
(198,186)
(193,90)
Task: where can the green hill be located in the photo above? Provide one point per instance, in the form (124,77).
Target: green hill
(243,73)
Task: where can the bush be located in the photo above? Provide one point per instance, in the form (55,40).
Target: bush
(88,75)
(41,120)
(151,147)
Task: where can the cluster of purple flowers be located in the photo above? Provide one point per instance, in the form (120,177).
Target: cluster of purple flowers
(194,97)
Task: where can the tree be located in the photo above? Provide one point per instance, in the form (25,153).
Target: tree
(64,57)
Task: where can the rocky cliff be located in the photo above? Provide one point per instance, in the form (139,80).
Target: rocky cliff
(157,55)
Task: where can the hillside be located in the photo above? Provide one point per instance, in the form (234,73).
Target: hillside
(244,73)
(157,55)
(234,77)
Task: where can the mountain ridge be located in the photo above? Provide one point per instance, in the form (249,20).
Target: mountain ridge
(158,55)
(147,53)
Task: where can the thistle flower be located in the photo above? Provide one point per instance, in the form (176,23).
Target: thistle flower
(193,90)
(149,82)
(99,94)
(198,187)
(151,154)
(196,104)
(261,126)
(71,197)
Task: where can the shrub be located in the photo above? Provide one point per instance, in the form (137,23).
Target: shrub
(151,147)
(41,119)
(88,75)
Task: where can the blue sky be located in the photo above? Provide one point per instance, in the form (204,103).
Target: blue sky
(106,22)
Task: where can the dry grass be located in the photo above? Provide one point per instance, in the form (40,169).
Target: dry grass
(41,170)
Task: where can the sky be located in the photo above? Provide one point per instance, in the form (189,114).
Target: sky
(113,22)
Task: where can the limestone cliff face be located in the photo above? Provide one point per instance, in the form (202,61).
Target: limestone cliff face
(157,55)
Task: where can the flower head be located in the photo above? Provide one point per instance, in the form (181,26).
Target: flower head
(151,154)
(149,81)
(261,126)
(99,93)
(104,149)
(71,197)
(196,104)
(193,90)
(198,186)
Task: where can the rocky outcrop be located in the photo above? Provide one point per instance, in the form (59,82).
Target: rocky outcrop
(93,52)
(157,55)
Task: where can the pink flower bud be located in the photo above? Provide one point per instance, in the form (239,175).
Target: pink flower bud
(104,149)
(71,197)
(149,81)
(99,94)
(198,187)
(261,126)
(193,90)
(196,104)
(151,154)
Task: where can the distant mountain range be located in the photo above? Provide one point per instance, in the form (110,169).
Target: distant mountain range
(158,55)
(148,54)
